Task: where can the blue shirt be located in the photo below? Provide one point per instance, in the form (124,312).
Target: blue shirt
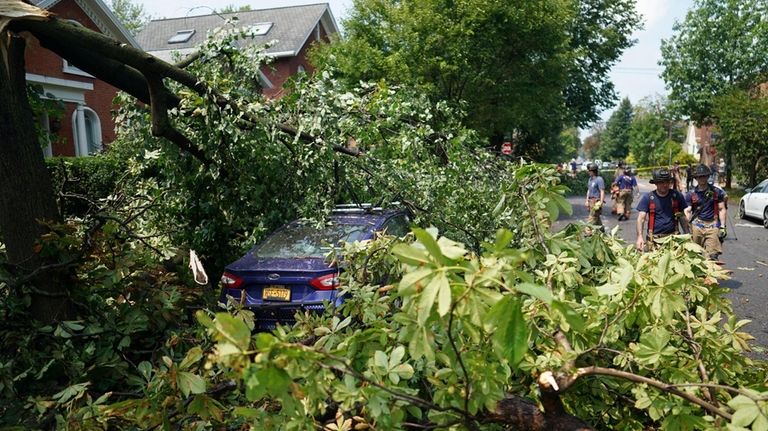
(704,200)
(664,217)
(626,182)
(594,185)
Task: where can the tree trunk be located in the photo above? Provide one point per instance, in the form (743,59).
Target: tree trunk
(26,193)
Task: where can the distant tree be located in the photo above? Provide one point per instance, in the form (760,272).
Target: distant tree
(233,9)
(653,125)
(569,143)
(720,44)
(592,142)
(742,118)
(615,142)
(131,15)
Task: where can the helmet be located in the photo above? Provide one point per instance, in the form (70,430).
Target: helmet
(661,175)
(621,164)
(592,167)
(627,171)
(702,171)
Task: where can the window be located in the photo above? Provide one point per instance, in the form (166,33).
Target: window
(86,131)
(181,36)
(260,28)
(397,226)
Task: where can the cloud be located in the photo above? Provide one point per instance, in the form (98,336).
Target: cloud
(652,10)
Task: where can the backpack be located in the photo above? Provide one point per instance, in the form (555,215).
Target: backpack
(695,202)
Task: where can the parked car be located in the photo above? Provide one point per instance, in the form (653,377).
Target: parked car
(755,203)
(288,271)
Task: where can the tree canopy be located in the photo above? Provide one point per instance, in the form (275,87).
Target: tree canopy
(525,66)
(719,44)
(614,144)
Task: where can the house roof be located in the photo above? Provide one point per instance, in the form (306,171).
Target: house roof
(101,15)
(291,28)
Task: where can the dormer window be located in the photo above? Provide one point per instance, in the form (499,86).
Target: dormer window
(181,36)
(260,28)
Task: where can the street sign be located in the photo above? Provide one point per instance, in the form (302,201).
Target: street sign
(506,148)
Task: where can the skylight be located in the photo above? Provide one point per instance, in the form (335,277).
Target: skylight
(181,36)
(260,28)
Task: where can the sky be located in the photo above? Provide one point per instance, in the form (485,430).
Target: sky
(636,75)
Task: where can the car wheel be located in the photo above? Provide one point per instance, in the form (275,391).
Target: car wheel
(741,210)
(765,218)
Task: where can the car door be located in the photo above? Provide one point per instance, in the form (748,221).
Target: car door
(761,200)
(757,200)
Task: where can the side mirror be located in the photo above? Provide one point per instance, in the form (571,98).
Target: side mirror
(747,191)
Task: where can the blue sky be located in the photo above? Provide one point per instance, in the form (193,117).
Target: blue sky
(636,75)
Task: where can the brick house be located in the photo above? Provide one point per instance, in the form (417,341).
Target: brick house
(699,142)
(86,124)
(293,29)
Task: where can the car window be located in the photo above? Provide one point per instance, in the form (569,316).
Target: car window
(765,186)
(299,240)
(398,226)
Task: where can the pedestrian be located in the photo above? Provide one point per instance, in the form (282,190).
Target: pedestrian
(595,195)
(663,208)
(678,179)
(713,176)
(615,188)
(627,185)
(573,167)
(721,171)
(707,213)
(688,178)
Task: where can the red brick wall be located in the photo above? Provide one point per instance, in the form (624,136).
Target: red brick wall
(40,61)
(282,68)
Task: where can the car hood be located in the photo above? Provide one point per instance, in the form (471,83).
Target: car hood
(249,262)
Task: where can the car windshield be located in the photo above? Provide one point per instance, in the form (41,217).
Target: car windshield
(302,240)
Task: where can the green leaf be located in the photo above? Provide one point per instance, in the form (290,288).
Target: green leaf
(426,239)
(444,295)
(414,278)
(380,359)
(265,381)
(570,315)
(428,296)
(410,254)
(745,415)
(233,330)
(145,368)
(396,357)
(539,292)
(193,355)
(190,383)
(510,338)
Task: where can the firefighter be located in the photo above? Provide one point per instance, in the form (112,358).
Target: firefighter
(663,208)
(627,185)
(595,195)
(707,213)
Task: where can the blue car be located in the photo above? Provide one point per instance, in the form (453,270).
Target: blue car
(288,271)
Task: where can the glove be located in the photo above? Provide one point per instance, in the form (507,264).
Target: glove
(722,233)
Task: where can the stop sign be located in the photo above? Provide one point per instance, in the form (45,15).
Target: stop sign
(506,148)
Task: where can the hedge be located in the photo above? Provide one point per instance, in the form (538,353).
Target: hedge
(81,181)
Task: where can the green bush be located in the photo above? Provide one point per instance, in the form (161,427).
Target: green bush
(576,185)
(80,182)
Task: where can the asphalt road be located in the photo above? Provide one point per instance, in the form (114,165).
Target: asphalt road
(745,252)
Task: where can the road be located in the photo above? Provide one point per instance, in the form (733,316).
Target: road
(745,252)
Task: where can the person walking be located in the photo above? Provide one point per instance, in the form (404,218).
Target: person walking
(688,178)
(627,185)
(677,177)
(615,188)
(707,213)
(663,208)
(595,195)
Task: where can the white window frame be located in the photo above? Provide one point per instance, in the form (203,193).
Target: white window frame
(81,149)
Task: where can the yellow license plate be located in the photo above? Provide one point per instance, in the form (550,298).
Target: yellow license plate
(276,293)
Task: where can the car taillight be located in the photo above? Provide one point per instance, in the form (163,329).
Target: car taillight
(231,281)
(325,282)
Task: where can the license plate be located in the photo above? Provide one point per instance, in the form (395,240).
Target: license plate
(276,293)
